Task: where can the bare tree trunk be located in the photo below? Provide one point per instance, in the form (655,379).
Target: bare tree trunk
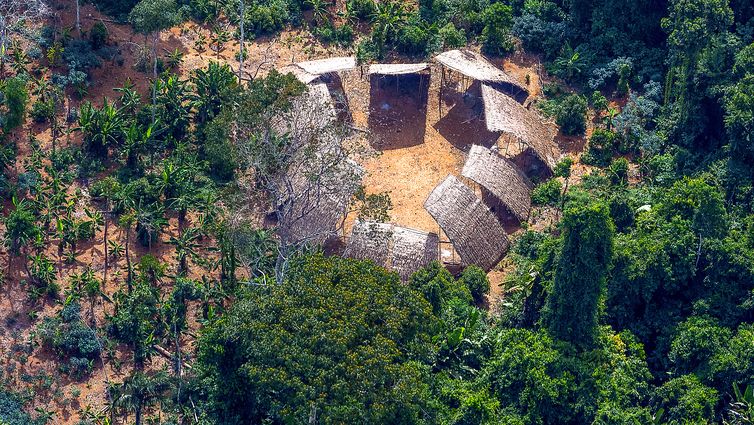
(78,17)
(242,51)
(154,74)
(129,277)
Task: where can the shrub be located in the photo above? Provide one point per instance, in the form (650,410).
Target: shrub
(13,98)
(547,193)
(362,9)
(538,35)
(67,334)
(476,280)
(42,111)
(496,35)
(413,40)
(619,171)
(98,35)
(601,148)
(452,37)
(78,54)
(571,115)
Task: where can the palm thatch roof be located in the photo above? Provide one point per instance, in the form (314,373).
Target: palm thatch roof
(476,234)
(503,113)
(501,177)
(397,68)
(412,249)
(299,73)
(400,248)
(474,65)
(319,178)
(370,241)
(328,65)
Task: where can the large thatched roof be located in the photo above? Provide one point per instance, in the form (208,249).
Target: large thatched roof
(397,68)
(316,188)
(503,113)
(501,177)
(474,65)
(403,249)
(476,234)
(327,65)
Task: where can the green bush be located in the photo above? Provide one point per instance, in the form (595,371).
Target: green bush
(496,35)
(363,10)
(98,35)
(547,193)
(68,335)
(42,111)
(571,115)
(618,171)
(13,98)
(476,280)
(601,148)
(452,37)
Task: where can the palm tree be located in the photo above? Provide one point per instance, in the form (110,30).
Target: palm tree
(212,86)
(388,18)
(320,10)
(20,228)
(569,62)
(101,128)
(137,392)
(186,246)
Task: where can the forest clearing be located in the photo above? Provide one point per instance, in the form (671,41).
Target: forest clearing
(361,211)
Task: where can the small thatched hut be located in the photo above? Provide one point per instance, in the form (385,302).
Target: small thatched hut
(400,248)
(476,234)
(412,249)
(475,66)
(370,241)
(503,113)
(502,178)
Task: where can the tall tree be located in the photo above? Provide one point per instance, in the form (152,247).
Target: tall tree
(570,313)
(149,17)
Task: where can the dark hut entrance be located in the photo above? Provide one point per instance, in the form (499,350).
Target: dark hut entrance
(398,109)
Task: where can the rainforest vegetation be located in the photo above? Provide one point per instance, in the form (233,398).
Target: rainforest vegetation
(635,306)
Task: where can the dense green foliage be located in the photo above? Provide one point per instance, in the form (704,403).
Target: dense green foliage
(632,301)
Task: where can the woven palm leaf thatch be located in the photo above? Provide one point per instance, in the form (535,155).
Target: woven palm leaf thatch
(476,234)
(327,65)
(412,249)
(475,66)
(503,113)
(299,73)
(400,248)
(370,241)
(501,177)
(397,68)
(319,178)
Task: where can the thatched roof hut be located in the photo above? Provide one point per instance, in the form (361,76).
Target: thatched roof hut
(397,68)
(503,113)
(501,177)
(328,65)
(370,241)
(476,234)
(412,249)
(475,66)
(400,248)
